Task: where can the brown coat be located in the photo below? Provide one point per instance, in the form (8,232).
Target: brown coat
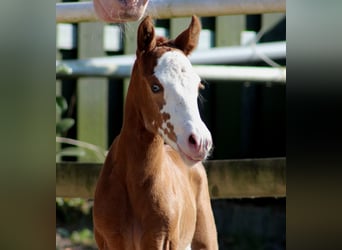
(146,196)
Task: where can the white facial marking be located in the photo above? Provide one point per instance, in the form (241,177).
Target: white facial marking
(167,139)
(180,82)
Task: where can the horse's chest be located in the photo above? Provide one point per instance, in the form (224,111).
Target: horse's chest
(170,207)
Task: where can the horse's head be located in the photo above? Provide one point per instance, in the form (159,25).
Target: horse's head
(170,87)
(120,10)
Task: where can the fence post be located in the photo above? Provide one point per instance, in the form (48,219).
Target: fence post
(92,92)
(227,97)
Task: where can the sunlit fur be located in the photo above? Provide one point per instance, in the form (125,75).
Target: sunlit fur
(148,195)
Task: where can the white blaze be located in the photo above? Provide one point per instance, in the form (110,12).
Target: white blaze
(180,82)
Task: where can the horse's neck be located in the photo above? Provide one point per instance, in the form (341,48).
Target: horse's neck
(135,142)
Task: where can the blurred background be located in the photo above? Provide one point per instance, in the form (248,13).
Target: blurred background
(245,115)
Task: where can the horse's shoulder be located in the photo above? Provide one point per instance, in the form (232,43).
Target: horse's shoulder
(198,175)
(111,188)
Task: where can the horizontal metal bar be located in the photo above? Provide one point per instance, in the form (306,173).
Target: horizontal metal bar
(248,178)
(218,55)
(121,66)
(208,72)
(244,73)
(75,12)
(84,12)
(240,54)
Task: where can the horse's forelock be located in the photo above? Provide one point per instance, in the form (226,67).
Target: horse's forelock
(161,40)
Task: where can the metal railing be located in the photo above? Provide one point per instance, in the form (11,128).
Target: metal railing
(84,12)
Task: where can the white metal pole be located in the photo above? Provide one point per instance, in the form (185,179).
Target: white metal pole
(239,54)
(241,73)
(208,72)
(84,11)
(182,8)
(75,12)
(120,66)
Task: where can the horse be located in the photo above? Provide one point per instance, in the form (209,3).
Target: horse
(152,192)
(114,11)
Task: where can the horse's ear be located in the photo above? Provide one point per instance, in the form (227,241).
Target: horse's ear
(188,39)
(146,35)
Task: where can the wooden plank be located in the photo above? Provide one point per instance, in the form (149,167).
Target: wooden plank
(248,178)
(76,179)
(177,25)
(92,93)
(228,30)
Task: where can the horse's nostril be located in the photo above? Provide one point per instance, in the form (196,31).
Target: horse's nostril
(192,140)
(195,142)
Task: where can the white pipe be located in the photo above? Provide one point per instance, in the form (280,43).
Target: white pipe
(118,66)
(208,72)
(84,11)
(121,65)
(239,54)
(182,8)
(242,73)
(75,12)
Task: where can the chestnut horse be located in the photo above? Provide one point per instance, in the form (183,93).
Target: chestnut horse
(152,192)
(114,11)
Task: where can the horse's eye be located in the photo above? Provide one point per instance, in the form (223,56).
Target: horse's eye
(155,88)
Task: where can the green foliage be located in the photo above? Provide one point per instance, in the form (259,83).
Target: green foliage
(74,223)
(84,237)
(62,124)
(63,69)
(78,204)
(61,105)
(74,220)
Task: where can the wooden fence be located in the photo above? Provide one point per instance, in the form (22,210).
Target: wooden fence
(249,178)
(247,120)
